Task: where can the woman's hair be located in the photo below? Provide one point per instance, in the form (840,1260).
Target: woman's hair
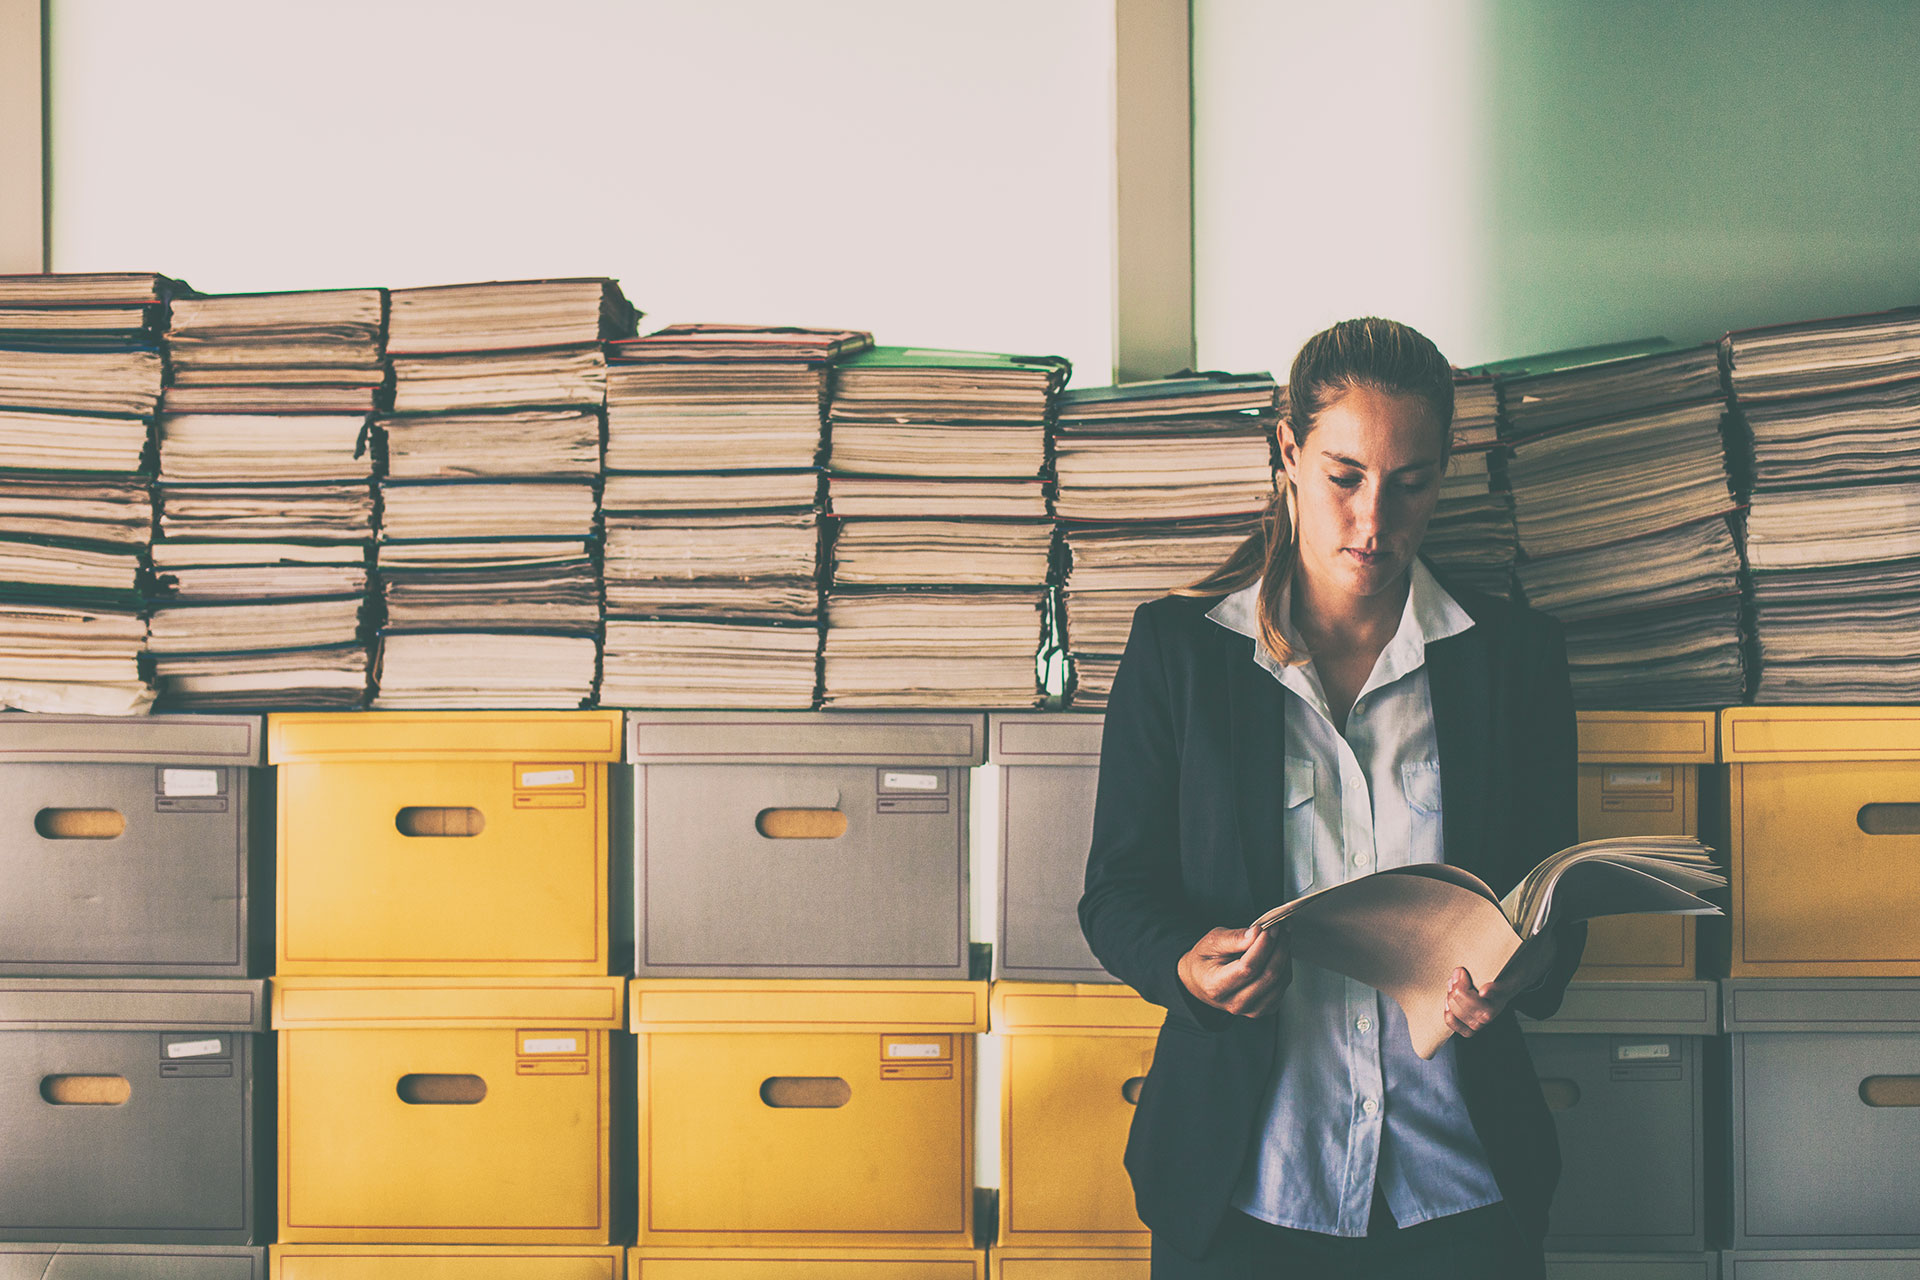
(1381,355)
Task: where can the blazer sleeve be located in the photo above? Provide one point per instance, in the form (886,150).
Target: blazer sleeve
(1134,910)
(1548,755)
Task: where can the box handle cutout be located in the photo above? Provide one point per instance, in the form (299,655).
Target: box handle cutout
(440,820)
(1561,1095)
(85,1091)
(79,824)
(805,1091)
(1890,819)
(1890,1091)
(433,1090)
(1130,1090)
(801,824)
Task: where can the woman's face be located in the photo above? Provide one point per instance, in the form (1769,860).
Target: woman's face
(1366,479)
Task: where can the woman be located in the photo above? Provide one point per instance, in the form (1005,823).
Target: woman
(1318,708)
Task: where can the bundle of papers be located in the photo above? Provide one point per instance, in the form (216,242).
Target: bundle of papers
(239,448)
(501,670)
(266,512)
(1013,553)
(741,665)
(116,510)
(891,496)
(1172,449)
(506,443)
(744,566)
(932,648)
(1471,538)
(56,658)
(238,571)
(518,585)
(712,491)
(49,440)
(125,303)
(1820,357)
(1559,389)
(507,315)
(312,351)
(84,343)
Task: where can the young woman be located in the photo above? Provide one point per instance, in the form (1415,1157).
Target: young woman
(1318,708)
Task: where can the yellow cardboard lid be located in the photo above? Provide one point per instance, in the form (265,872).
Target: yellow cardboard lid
(660,1005)
(430,1261)
(589,1003)
(1647,737)
(1754,735)
(318,737)
(1029,1008)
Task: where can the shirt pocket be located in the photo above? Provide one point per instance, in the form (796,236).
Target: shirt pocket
(1297,836)
(1420,784)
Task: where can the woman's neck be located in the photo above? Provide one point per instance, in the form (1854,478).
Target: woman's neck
(1335,621)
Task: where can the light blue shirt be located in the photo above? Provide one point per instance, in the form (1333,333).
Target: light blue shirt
(1350,1103)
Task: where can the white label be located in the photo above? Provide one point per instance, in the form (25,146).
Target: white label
(1643,1052)
(1636,778)
(547,778)
(567,1045)
(192,1048)
(910,781)
(189,782)
(898,1050)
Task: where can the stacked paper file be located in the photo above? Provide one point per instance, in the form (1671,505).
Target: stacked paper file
(80,377)
(1622,498)
(712,515)
(1471,537)
(942,550)
(489,509)
(1832,410)
(266,499)
(1158,482)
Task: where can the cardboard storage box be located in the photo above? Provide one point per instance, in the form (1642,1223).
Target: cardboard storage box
(454,842)
(1820,1264)
(132,1262)
(447,1110)
(1633,1266)
(1622,1066)
(446,1262)
(1824,807)
(802,844)
(806,1264)
(1826,1113)
(798,1113)
(129,846)
(1640,775)
(1049,770)
(1044,1262)
(1074,1059)
(134,1110)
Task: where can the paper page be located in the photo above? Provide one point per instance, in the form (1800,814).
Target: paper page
(1600,888)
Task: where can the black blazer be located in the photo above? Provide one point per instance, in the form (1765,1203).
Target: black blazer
(1186,838)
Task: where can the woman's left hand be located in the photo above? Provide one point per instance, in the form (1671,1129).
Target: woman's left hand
(1471,1008)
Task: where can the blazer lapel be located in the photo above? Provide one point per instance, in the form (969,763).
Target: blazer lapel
(1457,679)
(1258,751)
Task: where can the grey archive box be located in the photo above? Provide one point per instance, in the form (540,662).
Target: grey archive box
(132,846)
(1622,1065)
(1826,1114)
(802,844)
(132,1262)
(1049,769)
(1633,1266)
(1821,1264)
(130,1110)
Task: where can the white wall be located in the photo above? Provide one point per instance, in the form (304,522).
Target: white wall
(939,174)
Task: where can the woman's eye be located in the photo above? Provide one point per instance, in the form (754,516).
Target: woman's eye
(1416,486)
(1346,481)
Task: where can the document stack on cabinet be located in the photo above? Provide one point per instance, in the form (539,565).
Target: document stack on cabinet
(1833,412)
(80,378)
(1156,484)
(1471,537)
(489,507)
(266,499)
(941,551)
(711,506)
(1622,498)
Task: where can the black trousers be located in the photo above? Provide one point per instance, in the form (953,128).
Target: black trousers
(1480,1244)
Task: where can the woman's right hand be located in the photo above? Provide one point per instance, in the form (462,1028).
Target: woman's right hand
(1242,971)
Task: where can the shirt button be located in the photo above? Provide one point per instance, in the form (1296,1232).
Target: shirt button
(1360,859)
(1363,1025)
(1369,1106)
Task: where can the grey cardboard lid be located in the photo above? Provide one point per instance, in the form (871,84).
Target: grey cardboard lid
(1044,738)
(1753,1005)
(133,1004)
(26,738)
(806,737)
(1633,1009)
(132,1262)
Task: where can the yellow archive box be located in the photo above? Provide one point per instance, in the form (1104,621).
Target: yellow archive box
(447,1110)
(1824,815)
(1075,1056)
(1043,1262)
(791,1112)
(452,842)
(1640,776)
(444,1262)
(806,1264)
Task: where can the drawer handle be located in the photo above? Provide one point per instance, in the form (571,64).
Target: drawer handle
(1890,819)
(85,1091)
(79,824)
(805,1091)
(1131,1090)
(801,824)
(428,1089)
(1561,1095)
(439,820)
(1890,1091)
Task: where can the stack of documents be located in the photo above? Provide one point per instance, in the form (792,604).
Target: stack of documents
(1622,497)
(80,377)
(267,353)
(1157,483)
(1832,410)
(487,553)
(942,552)
(712,514)
(1471,538)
